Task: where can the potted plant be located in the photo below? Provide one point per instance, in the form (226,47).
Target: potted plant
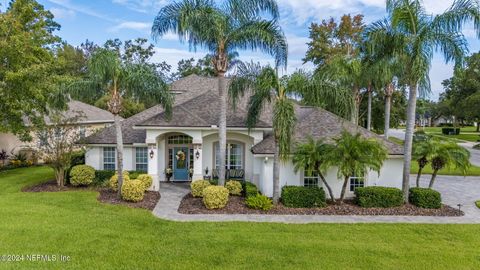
(190,172)
(168,173)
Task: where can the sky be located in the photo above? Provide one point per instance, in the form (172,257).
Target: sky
(100,20)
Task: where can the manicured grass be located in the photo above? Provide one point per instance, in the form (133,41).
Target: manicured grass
(98,236)
(472,171)
(439,129)
(396,140)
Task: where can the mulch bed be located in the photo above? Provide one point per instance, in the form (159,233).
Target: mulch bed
(236,205)
(106,195)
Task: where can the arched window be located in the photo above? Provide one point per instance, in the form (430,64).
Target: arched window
(234,157)
(179,139)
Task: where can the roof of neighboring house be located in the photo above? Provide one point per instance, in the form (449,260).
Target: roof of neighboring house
(321,124)
(87,113)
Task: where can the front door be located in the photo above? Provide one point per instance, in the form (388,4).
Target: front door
(180,164)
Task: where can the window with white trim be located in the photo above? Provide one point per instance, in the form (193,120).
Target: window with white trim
(310,180)
(141,159)
(109,158)
(234,156)
(356,182)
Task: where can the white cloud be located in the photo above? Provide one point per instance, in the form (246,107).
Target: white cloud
(62,13)
(139,26)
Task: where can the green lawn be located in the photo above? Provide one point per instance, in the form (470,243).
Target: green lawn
(472,171)
(466,133)
(439,129)
(98,236)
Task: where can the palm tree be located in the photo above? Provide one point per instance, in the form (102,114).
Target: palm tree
(422,153)
(355,156)
(222,29)
(412,37)
(121,80)
(266,88)
(447,154)
(311,157)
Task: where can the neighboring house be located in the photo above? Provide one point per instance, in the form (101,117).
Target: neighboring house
(190,140)
(90,120)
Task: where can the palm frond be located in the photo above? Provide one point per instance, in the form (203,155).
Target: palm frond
(245,10)
(283,125)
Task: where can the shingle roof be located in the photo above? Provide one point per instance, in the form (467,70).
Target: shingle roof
(321,124)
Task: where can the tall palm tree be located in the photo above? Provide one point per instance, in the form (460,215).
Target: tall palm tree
(311,157)
(267,88)
(446,154)
(221,29)
(355,156)
(107,72)
(422,153)
(413,36)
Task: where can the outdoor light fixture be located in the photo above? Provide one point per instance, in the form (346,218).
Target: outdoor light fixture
(197,154)
(151,153)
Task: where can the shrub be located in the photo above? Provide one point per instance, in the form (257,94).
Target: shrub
(215,197)
(378,197)
(477,203)
(213,182)
(234,187)
(113,184)
(425,198)
(250,189)
(101,177)
(134,174)
(450,131)
(303,197)
(259,201)
(82,175)
(146,179)
(198,187)
(133,191)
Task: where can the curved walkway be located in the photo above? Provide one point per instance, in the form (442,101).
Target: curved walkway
(454,190)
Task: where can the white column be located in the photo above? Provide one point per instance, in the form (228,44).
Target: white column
(197,162)
(153,165)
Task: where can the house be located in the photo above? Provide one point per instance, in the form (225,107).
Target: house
(90,120)
(189,139)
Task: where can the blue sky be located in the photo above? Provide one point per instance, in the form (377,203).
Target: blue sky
(127,19)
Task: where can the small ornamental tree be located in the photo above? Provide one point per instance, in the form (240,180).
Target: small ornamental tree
(57,144)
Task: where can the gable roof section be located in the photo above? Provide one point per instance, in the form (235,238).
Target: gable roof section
(321,124)
(89,113)
(203,111)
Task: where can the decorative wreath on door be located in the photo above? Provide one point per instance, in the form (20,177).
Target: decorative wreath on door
(180,159)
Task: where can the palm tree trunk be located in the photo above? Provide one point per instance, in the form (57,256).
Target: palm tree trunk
(419,174)
(222,132)
(356,107)
(276,173)
(330,191)
(118,128)
(344,189)
(388,104)
(432,180)
(407,158)
(369,109)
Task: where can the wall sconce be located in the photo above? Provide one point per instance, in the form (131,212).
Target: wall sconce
(151,153)
(197,154)
(266,160)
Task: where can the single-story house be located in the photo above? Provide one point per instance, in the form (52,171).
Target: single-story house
(189,140)
(90,119)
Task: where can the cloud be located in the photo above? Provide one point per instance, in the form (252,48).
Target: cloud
(131,25)
(62,13)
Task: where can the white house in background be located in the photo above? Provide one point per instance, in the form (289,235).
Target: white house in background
(190,140)
(90,120)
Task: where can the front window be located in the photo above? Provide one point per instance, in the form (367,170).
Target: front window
(233,158)
(109,158)
(141,159)
(356,182)
(310,179)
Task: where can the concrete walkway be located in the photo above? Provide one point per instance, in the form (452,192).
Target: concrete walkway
(454,190)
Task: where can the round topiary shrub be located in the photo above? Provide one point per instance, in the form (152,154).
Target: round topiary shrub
(198,187)
(113,183)
(425,198)
(133,191)
(215,197)
(82,175)
(234,187)
(146,180)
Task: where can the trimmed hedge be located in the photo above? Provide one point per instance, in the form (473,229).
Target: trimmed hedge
(378,197)
(103,176)
(215,197)
(450,131)
(82,175)
(133,191)
(425,198)
(250,189)
(234,187)
(260,202)
(303,197)
(198,187)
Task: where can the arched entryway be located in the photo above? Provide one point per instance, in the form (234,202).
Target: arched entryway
(179,156)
